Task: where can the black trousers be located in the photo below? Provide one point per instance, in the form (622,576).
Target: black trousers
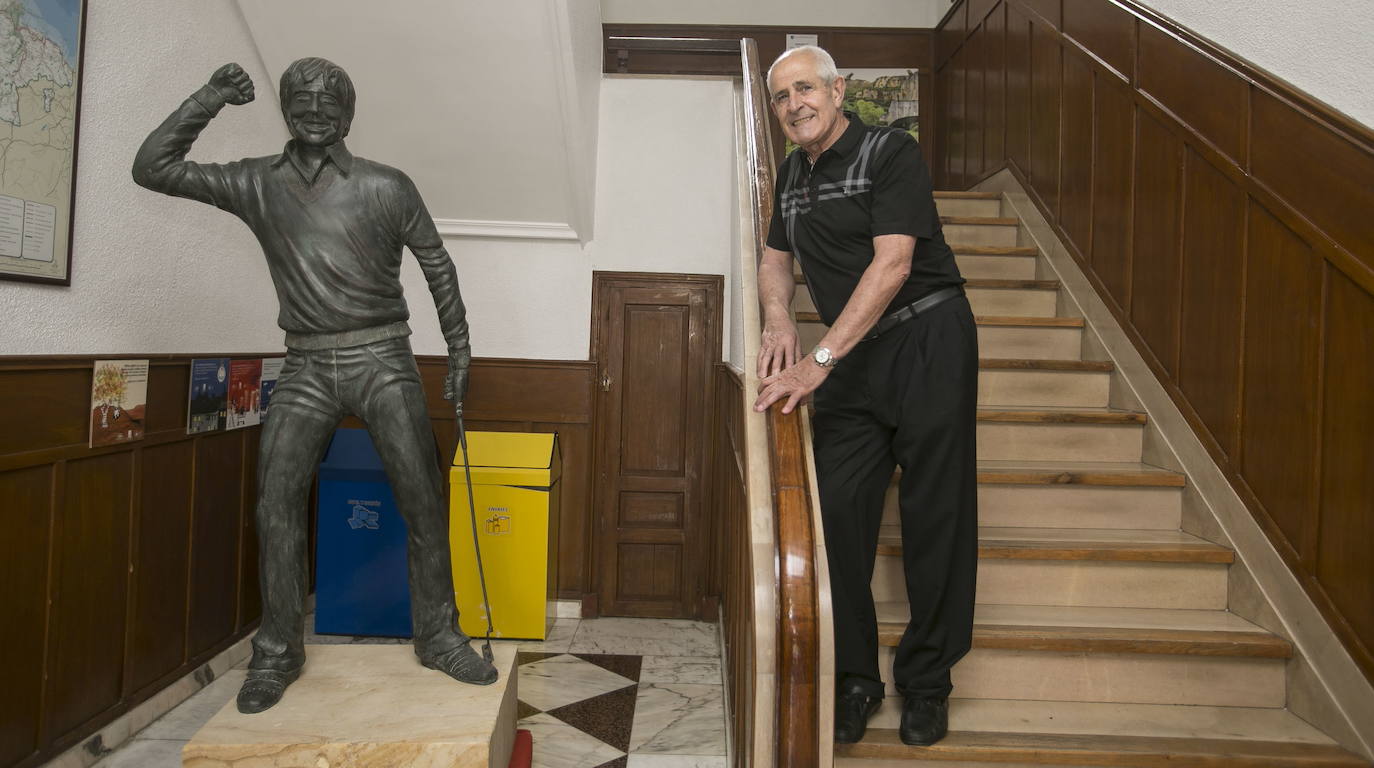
(908,399)
(380,383)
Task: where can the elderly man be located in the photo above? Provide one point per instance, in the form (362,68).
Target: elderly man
(332,227)
(895,382)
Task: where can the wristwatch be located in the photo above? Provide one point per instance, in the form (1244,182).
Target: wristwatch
(824,358)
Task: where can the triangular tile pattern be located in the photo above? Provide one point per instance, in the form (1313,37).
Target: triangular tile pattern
(608,717)
(626,666)
(619,762)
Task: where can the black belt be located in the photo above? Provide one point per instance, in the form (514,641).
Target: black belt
(914,309)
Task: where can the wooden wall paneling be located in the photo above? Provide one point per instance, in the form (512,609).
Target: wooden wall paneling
(1212,299)
(1156,212)
(91,561)
(995,89)
(930,114)
(1046,75)
(940,169)
(574,518)
(975,106)
(169,385)
(951,35)
(250,590)
(158,637)
(48,418)
(1113,150)
(1282,314)
(1195,88)
(978,11)
(1106,30)
(1345,557)
(1018,88)
(215,524)
(24,571)
(1076,159)
(1316,170)
(956,140)
(1048,10)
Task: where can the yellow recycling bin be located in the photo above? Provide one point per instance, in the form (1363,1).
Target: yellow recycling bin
(515,489)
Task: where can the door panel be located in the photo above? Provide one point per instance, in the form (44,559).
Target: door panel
(656,338)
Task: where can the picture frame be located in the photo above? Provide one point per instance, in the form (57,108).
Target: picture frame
(40,118)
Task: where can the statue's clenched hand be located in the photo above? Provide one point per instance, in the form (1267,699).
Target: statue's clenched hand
(233,84)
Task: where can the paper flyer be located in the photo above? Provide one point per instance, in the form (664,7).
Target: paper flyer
(245,390)
(271,370)
(209,385)
(119,397)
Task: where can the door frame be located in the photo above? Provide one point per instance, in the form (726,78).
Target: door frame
(604,283)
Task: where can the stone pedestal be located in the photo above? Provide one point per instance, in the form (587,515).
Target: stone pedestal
(370,706)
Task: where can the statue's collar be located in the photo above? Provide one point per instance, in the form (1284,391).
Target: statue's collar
(336,153)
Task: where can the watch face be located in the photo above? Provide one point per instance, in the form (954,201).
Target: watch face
(823,357)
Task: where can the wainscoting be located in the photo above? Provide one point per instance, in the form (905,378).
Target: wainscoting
(1224,217)
(127,567)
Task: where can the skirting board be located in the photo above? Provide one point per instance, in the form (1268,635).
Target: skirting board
(1325,686)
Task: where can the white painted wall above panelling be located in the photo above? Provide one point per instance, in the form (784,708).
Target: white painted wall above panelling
(484,105)
(1323,47)
(803,13)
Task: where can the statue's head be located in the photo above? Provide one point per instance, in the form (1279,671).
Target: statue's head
(317,101)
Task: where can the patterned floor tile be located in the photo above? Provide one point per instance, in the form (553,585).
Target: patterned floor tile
(561,680)
(627,666)
(679,719)
(559,745)
(680,669)
(608,717)
(649,637)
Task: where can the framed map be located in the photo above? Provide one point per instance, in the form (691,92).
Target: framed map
(41,43)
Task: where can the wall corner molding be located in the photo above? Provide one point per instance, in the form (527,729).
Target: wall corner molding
(524,230)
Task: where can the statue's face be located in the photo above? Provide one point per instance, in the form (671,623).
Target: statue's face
(314,115)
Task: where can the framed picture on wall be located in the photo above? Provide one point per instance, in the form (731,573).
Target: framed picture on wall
(41,43)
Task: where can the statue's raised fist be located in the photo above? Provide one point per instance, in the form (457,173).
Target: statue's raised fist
(233,84)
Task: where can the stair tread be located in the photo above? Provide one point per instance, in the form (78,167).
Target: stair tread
(1105,630)
(951,194)
(1191,619)
(984,283)
(997,320)
(1061,415)
(1107,473)
(995,221)
(1148,750)
(1032,364)
(1093,544)
(963,249)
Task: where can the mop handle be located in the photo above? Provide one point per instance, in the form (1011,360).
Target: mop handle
(472,510)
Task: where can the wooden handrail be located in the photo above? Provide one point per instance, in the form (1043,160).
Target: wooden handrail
(797,736)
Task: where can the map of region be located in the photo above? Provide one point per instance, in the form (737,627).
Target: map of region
(38,118)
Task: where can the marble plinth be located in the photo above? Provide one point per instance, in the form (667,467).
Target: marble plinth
(369,706)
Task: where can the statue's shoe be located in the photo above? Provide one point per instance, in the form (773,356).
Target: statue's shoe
(464,665)
(264,688)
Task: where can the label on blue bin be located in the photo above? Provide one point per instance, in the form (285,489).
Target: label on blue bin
(362,516)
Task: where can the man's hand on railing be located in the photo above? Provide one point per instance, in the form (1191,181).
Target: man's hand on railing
(796,383)
(780,348)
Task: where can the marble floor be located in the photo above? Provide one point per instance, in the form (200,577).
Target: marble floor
(597,693)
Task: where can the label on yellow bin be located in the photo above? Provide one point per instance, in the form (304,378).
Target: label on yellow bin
(513,530)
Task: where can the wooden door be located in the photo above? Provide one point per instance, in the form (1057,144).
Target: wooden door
(656,339)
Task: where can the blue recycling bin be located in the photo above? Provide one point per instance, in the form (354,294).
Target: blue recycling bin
(361,586)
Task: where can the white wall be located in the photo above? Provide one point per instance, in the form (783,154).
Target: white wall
(1323,47)
(150,273)
(803,13)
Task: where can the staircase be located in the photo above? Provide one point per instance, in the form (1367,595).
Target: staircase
(1102,635)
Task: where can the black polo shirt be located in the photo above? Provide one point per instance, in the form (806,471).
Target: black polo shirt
(872,181)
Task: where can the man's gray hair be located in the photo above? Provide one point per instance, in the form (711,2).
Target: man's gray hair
(825,64)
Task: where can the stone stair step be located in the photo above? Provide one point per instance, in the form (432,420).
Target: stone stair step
(1140,751)
(1071,495)
(1109,568)
(997,297)
(1055,434)
(976,204)
(980,230)
(1037,338)
(1105,630)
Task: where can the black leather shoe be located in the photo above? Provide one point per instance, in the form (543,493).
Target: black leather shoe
(924,720)
(263,689)
(852,711)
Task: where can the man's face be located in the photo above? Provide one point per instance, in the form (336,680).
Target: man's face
(808,110)
(314,115)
